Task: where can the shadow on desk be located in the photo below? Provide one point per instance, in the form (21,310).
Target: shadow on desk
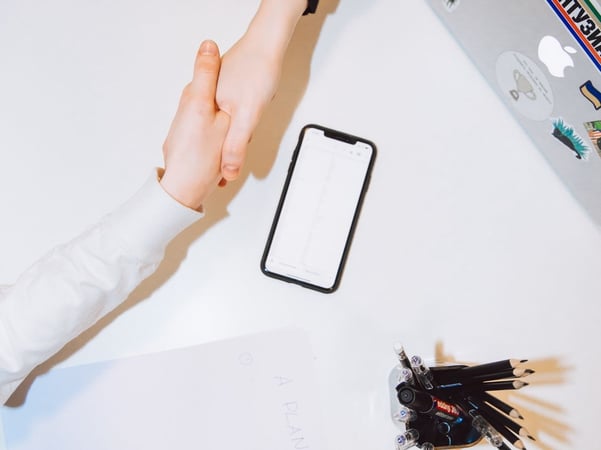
(542,418)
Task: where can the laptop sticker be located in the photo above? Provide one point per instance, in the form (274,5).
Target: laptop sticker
(555,56)
(591,93)
(524,85)
(594,133)
(451,5)
(567,136)
(582,19)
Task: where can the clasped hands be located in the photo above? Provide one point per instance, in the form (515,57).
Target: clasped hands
(215,118)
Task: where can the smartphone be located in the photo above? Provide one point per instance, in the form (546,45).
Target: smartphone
(318,210)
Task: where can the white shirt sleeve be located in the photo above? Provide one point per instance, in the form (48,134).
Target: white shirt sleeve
(77,283)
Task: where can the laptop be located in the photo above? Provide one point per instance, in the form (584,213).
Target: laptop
(543,58)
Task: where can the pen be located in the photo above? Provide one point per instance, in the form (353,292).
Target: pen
(481,425)
(486,429)
(407,439)
(424,376)
(405,415)
(406,376)
(499,420)
(403,359)
(504,431)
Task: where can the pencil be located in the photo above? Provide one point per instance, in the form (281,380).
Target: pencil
(491,367)
(518,372)
(498,403)
(495,416)
(495,385)
(458,373)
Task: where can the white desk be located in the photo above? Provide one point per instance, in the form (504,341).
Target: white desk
(467,246)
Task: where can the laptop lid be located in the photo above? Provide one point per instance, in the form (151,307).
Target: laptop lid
(543,58)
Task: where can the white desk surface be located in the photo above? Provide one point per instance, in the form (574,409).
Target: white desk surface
(468,245)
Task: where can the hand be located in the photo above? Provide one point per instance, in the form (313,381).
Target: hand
(192,150)
(250,74)
(247,82)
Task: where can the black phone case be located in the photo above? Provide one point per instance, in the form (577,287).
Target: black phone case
(345,137)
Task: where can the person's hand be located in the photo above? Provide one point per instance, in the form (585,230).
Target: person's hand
(192,150)
(250,73)
(248,81)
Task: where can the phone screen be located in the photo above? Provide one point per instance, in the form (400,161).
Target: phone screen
(319,207)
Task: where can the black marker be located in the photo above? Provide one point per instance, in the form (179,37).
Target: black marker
(427,404)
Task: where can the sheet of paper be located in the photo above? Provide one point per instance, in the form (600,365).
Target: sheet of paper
(255,392)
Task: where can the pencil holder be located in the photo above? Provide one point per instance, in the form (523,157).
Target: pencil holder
(455,406)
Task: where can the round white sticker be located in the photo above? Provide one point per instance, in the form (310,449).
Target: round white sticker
(525,85)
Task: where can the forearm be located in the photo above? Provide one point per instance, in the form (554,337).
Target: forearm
(76,284)
(273,25)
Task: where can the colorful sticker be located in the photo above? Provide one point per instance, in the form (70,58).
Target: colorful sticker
(584,22)
(594,133)
(451,5)
(525,85)
(567,136)
(591,94)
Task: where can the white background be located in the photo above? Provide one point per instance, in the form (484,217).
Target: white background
(468,248)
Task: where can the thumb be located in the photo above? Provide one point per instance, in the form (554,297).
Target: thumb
(206,71)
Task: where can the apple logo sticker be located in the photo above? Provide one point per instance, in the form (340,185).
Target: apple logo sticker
(556,57)
(525,85)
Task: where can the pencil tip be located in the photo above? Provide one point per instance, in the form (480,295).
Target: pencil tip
(531,438)
(522,361)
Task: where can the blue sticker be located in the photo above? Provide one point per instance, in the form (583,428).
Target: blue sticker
(567,136)
(591,94)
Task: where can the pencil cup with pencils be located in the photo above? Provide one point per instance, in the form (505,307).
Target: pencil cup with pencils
(453,406)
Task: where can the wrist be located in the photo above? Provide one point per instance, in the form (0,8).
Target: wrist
(274,23)
(185,195)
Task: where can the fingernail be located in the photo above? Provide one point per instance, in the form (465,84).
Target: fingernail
(208,48)
(230,171)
